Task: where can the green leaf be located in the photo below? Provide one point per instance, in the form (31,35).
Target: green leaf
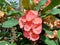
(13,44)
(52,5)
(49,42)
(59,34)
(28,4)
(42,2)
(49,32)
(45,27)
(12,12)
(19,34)
(27,44)
(21,13)
(31,2)
(55,11)
(4,43)
(10,23)
(1,37)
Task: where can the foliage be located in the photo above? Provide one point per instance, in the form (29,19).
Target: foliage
(12,34)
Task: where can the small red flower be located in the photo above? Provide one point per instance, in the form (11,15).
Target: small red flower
(31,24)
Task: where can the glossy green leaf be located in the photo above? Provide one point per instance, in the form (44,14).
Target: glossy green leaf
(49,32)
(19,34)
(13,44)
(45,27)
(52,5)
(21,13)
(31,2)
(42,2)
(27,44)
(10,23)
(59,34)
(12,12)
(4,43)
(55,11)
(49,42)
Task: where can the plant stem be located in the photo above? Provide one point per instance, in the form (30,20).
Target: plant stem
(20,4)
(34,43)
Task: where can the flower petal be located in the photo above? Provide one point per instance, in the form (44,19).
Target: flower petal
(37,20)
(21,24)
(26,34)
(37,30)
(27,27)
(34,37)
(31,15)
(22,21)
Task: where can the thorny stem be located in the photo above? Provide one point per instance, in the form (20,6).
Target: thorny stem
(21,7)
(13,35)
(34,43)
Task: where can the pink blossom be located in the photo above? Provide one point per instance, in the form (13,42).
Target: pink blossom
(31,24)
(31,15)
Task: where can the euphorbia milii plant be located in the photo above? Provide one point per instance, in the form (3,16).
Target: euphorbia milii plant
(31,24)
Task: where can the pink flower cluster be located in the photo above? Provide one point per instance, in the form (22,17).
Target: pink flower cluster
(47,3)
(31,24)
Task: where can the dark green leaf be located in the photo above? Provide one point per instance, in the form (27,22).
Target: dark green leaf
(10,23)
(55,11)
(52,5)
(19,34)
(59,34)
(4,43)
(49,32)
(13,44)
(12,12)
(49,42)
(21,13)
(42,2)
(45,27)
